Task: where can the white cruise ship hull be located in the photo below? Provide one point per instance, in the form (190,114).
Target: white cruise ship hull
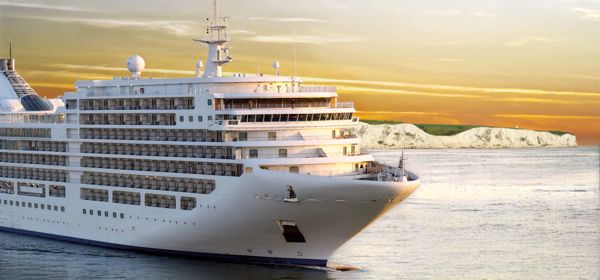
(238,221)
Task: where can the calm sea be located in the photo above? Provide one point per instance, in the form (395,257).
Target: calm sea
(480,214)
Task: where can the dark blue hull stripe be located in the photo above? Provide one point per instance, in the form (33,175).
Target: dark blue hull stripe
(225,257)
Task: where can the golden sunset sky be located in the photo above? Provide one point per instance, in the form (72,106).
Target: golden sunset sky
(532,64)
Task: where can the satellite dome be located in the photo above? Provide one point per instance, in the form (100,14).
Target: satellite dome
(199,64)
(136,65)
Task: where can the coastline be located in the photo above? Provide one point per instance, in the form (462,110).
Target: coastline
(409,136)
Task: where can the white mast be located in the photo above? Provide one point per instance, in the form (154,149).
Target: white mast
(216,38)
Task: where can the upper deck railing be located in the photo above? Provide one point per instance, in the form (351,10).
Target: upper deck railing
(184,90)
(32,118)
(288,105)
(272,89)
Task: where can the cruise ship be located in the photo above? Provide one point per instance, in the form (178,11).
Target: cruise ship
(241,167)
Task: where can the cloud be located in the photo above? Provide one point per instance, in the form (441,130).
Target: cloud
(405,113)
(528,40)
(403,92)
(41,6)
(74,67)
(304,39)
(339,6)
(176,27)
(287,19)
(241,31)
(561,117)
(440,43)
(466,89)
(434,60)
(444,13)
(587,14)
(540,100)
(483,14)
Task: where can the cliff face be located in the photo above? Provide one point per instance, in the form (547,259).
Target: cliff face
(395,136)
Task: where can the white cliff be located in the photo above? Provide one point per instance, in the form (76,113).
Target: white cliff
(395,136)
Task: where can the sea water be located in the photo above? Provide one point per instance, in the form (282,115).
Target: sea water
(479,214)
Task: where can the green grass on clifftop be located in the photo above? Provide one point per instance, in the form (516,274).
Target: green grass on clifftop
(445,129)
(433,129)
(380,122)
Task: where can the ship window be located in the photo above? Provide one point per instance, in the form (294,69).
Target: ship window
(188,203)
(122,216)
(84,211)
(62,209)
(29,204)
(180,118)
(210,118)
(35,205)
(283,153)
(253,153)
(115,215)
(333,134)
(209,102)
(71,104)
(105,213)
(99,213)
(17,203)
(294,169)
(272,136)
(345,150)
(243,136)
(91,212)
(191,118)
(11,203)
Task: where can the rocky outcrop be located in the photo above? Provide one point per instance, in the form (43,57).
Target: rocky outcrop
(395,136)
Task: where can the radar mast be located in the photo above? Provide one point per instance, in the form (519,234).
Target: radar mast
(216,39)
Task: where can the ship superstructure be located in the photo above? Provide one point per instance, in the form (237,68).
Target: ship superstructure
(251,167)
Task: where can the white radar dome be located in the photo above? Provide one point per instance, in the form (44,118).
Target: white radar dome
(136,65)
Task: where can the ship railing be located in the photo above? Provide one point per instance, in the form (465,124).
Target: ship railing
(343,105)
(298,105)
(294,138)
(271,89)
(33,119)
(162,92)
(315,154)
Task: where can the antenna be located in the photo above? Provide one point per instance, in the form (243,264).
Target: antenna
(10,49)
(215,11)
(295,55)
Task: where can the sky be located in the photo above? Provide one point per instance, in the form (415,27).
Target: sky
(509,63)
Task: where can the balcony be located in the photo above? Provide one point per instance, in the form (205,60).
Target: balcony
(271,89)
(289,105)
